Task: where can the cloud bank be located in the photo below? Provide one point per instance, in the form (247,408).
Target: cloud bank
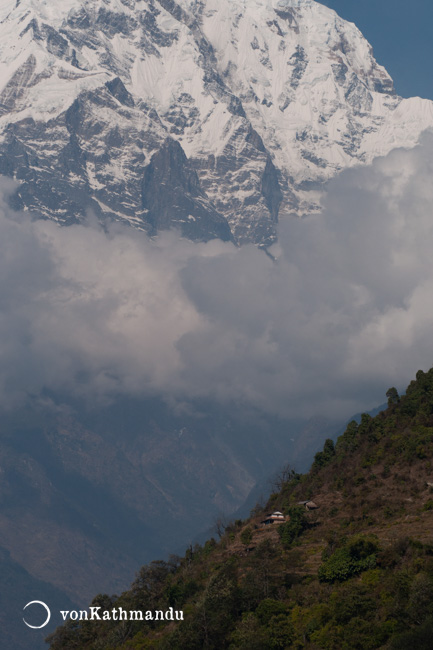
(344,312)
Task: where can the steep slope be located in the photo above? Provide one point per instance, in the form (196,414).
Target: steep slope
(357,572)
(265,100)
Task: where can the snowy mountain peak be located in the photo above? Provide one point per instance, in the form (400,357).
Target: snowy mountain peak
(244,106)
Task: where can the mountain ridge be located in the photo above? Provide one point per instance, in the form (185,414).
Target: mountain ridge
(267,100)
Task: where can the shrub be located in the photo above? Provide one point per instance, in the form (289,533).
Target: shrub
(357,555)
(293,528)
(269,608)
(246,535)
(249,635)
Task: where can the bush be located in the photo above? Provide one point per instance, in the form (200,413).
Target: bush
(246,536)
(359,554)
(293,528)
(249,635)
(269,608)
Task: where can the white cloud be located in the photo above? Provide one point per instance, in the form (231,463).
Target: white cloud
(345,312)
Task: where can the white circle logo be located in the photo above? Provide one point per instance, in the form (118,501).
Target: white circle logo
(38,602)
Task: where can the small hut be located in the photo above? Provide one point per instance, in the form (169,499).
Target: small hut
(274,518)
(308,505)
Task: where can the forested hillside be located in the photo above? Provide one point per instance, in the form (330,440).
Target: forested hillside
(355,573)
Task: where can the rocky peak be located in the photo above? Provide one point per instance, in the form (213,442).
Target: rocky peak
(266,100)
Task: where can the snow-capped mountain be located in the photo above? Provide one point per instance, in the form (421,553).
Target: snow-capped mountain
(217,116)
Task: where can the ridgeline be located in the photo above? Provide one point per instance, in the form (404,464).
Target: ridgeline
(355,573)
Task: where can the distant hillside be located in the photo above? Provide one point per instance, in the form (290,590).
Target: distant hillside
(19,588)
(356,573)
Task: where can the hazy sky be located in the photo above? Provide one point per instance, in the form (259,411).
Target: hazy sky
(401,34)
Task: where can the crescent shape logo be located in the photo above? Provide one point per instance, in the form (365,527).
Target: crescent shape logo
(38,602)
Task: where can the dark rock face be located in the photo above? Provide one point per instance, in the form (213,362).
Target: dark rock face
(118,90)
(340,71)
(385,86)
(290,17)
(172,196)
(114,23)
(271,189)
(67,175)
(15,89)
(358,96)
(79,19)
(319,162)
(299,61)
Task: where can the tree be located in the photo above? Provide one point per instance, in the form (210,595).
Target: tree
(150,583)
(393,396)
(283,476)
(293,528)
(222,522)
(322,458)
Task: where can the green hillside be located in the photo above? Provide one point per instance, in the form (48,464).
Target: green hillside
(355,573)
